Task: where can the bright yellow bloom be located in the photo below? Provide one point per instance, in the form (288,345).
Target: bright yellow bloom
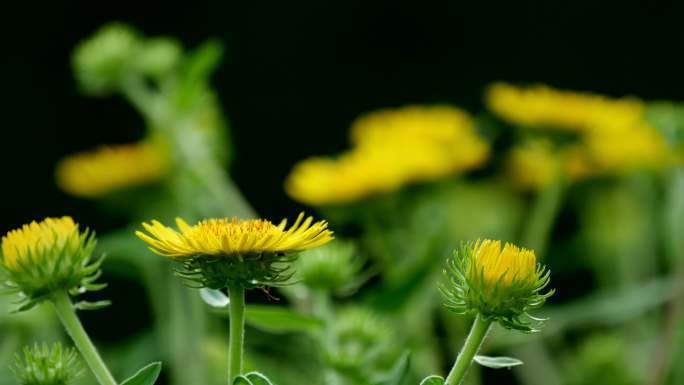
(542,106)
(505,267)
(31,243)
(98,172)
(392,148)
(224,237)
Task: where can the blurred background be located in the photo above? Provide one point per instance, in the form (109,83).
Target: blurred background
(293,77)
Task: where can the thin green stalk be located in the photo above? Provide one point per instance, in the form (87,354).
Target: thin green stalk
(67,314)
(237,331)
(543,215)
(477,334)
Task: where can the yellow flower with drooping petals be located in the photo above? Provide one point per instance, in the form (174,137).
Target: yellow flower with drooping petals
(217,253)
(95,173)
(392,148)
(231,237)
(544,107)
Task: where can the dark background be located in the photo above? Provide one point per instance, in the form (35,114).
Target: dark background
(296,73)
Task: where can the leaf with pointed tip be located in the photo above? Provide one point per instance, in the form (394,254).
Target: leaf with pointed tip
(214,298)
(432,380)
(85,305)
(497,362)
(279,319)
(258,379)
(145,376)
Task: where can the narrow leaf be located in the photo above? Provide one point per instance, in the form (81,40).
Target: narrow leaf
(242,380)
(278,319)
(258,379)
(85,305)
(145,376)
(497,362)
(432,380)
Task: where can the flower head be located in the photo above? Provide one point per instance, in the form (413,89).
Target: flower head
(391,148)
(42,365)
(216,252)
(99,172)
(540,106)
(331,267)
(50,255)
(502,284)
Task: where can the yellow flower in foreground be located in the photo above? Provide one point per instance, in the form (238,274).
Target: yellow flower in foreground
(498,283)
(98,172)
(542,106)
(392,148)
(42,257)
(222,251)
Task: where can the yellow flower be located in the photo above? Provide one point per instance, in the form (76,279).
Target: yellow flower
(224,237)
(542,106)
(98,172)
(42,257)
(502,268)
(218,253)
(35,240)
(500,284)
(392,148)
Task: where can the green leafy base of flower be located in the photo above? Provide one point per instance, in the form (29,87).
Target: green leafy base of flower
(42,365)
(246,270)
(61,267)
(467,293)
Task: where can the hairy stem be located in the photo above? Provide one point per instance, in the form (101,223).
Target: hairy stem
(472,345)
(67,314)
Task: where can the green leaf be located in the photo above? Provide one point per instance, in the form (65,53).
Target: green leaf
(214,298)
(258,379)
(278,319)
(432,380)
(242,380)
(497,362)
(145,376)
(85,305)
(399,371)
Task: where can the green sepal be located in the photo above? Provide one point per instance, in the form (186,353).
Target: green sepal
(497,362)
(432,380)
(146,376)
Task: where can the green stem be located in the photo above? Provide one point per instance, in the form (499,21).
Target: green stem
(472,344)
(543,215)
(237,331)
(67,314)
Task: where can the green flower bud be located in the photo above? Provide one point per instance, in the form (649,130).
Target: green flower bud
(329,267)
(42,365)
(43,257)
(100,61)
(500,284)
(158,56)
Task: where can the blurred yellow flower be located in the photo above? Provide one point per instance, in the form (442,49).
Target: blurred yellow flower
(31,243)
(392,148)
(98,172)
(545,107)
(226,238)
(536,163)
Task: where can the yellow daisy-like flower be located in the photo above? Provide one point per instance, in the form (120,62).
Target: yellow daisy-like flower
(98,172)
(542,106)
(392,148)
(42,257)
(498,283)
(222,251)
